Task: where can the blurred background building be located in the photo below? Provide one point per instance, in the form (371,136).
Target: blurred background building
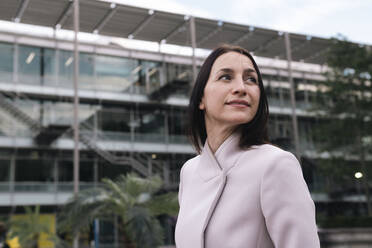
(132,101)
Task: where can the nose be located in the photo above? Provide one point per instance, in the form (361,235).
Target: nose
(239,87)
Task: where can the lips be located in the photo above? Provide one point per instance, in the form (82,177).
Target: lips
(238,102)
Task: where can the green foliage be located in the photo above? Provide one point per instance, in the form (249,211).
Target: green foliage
(336,173)
(29,228)
(345,102)
(134,200)
(344,128)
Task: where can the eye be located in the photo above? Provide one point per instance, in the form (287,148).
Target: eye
(250,79)
(224,77)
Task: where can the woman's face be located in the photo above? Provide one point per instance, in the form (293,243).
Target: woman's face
(231,95)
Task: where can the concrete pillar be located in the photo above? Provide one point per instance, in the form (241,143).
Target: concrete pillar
(293,98)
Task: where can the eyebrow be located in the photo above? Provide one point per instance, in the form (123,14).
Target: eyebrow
(229,70)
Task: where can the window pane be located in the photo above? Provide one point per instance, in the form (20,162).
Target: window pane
(35,170)
(4,170)
(29,66)
(65,171)
(150,126)
(111,171)
(116,74)
(6,62)
(86,71)
(49,67)
(66,68)
(114,120)
(86,171)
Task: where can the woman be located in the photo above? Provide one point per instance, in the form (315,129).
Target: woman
(239,191)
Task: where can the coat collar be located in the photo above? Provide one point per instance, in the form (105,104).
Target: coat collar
(226,156)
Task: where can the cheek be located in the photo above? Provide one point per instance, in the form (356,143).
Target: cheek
(256,96)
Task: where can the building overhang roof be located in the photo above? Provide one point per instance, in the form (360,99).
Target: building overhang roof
(152,25)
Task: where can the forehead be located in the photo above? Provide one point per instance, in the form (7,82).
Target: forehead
(233,60)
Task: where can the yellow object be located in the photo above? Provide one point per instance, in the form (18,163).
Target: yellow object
(13,243)
(43,242)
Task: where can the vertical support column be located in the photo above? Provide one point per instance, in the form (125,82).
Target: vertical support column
(306,90)
(95,172)
(56,180)
(166,127)
(116,232)
(96,87)
(56,54)
(76,98)
(292,91)
(95,124)
(55,175)
(96,232)
(193,45)
(15,61)
(12,178)
(76,106)
(280,90)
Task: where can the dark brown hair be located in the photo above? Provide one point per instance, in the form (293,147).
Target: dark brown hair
(253,132)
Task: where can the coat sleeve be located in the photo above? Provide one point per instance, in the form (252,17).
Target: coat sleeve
(287,206)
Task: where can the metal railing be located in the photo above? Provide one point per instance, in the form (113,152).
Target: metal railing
(19,114)
(44,187)
(86,134)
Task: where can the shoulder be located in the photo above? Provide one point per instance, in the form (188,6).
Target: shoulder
(190,164)
(279,163)
(270,157)
(269,152)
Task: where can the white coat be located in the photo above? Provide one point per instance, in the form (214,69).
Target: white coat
(244,198)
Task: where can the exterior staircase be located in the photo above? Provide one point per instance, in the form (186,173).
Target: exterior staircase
(46,135)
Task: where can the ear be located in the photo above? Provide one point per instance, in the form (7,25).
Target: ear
(201,104)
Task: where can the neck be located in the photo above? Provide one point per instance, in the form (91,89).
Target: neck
(216,136)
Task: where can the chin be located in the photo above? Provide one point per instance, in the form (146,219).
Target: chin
(238,122)
(241,119)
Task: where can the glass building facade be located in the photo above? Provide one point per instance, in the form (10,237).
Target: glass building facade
(134,107)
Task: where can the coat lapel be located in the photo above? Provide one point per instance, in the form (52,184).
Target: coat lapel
(216,166)
(226,156)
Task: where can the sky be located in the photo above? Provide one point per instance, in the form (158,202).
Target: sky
(322,18)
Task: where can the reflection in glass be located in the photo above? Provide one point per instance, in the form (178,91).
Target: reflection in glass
(6,62)
(86,70)
(115,73)
(66,68)
(150,126)
(48,63)
(177,126)
(29,66)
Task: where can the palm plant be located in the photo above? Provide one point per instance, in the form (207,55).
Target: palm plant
(135,201)
(28,229)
